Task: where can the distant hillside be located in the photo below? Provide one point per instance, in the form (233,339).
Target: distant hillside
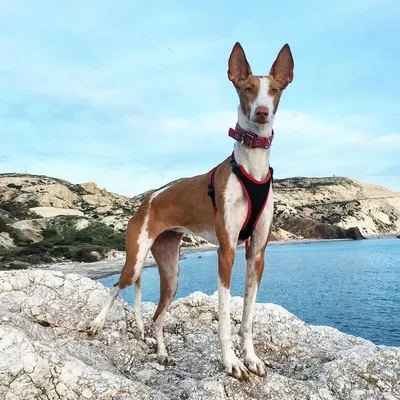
(44,219)
(339,201)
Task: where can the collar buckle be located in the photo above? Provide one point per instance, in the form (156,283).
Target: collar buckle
(248,139)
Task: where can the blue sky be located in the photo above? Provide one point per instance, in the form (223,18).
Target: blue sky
(132,95)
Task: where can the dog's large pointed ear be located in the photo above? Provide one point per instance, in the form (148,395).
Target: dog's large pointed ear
(239,69)
(282,68)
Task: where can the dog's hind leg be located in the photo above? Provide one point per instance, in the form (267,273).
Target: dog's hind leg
(138,243)
(137,306)
(166,253)
(98,323)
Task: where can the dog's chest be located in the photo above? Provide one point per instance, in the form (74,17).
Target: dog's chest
(235,205)
(236,209)
(235,214)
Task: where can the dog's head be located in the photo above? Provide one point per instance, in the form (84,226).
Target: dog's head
(259,95)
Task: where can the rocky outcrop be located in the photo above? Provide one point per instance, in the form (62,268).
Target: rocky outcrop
(337,201)
(311,229)
(46,355)
(60,238)
(398,235)
(27,196)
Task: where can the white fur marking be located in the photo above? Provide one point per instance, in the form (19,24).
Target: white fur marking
(235,205)
(138,315)
(144,244)
(233,365)
(263,99)
(98,323)
(158,327)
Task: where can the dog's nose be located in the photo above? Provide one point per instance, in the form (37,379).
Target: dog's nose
(261,113)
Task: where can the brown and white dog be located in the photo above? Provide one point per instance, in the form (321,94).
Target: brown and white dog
(185,207)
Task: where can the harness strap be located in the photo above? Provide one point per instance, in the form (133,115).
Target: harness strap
(256,192)
(211,190)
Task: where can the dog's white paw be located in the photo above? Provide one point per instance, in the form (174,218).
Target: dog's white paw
(150,341)
(166,360)
(82,326)
(234,367)
(255,365)
(95,326)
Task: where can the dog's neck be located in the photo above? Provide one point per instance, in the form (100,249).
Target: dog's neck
(254,161)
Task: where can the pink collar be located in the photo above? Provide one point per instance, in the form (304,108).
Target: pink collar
(250,139)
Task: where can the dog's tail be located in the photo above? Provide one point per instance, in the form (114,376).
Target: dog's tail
(137,306)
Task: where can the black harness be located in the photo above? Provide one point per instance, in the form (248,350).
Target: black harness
(256,193)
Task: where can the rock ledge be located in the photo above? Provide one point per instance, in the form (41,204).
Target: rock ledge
(43,355)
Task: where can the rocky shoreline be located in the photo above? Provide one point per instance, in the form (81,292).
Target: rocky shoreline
(105,268)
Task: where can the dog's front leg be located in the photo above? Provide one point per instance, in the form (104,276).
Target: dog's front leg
(233,365)
(226,255)
(254,270)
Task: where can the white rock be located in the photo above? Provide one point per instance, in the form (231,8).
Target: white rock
(47,212)
(81,224)
(6,241)
(305,362)
(36,225)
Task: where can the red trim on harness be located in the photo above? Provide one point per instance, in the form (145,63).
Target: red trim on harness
(244,172)
(248,204)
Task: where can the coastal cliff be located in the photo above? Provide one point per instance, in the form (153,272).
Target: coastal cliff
(47,220)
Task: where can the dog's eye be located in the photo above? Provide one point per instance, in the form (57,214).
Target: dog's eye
(273,90)
(249,90)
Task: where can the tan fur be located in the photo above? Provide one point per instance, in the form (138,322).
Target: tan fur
(131,244)
(166,253)
(195,213)
(274,91)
